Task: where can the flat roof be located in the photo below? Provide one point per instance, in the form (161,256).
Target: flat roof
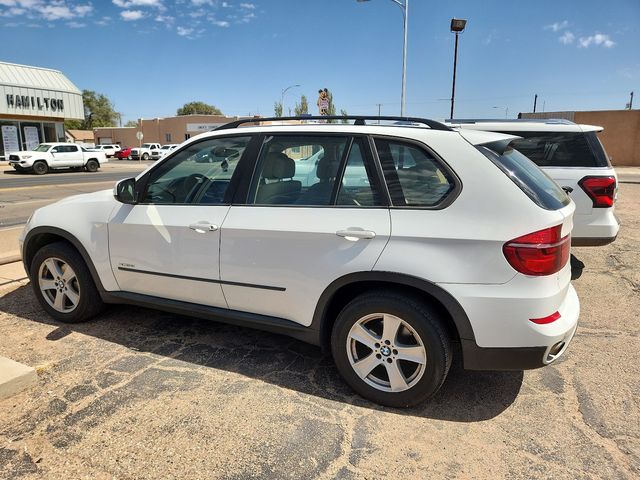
(16,75)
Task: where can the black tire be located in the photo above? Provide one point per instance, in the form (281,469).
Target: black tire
(92,166)
(89,303)
(422,318)
(40,167)
(145,156)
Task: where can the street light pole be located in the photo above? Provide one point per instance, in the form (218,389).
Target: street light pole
(282,96)
(457,27)
(404,5)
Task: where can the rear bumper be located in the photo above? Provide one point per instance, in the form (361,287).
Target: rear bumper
(504,337)
(599,228)
(517,358)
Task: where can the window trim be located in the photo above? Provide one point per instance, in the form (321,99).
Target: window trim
(444,202)
(233,182)
(241,197)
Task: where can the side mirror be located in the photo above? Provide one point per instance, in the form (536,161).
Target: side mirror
(125,191)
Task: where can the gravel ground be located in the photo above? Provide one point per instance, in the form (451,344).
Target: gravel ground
(144,394)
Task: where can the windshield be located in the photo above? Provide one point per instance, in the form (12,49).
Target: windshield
(147,145)
(43,147)
(166,147)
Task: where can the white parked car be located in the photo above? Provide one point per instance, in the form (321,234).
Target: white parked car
(144,152)
(108,149)
(450,237)
(158,153)
(54,156)
(573,156)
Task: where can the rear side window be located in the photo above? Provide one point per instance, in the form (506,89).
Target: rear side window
(414,177)
(561,149)
(526,175)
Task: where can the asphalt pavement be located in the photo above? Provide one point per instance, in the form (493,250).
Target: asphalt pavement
(143,394)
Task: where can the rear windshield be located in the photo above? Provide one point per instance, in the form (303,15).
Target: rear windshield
(525,174)
(561,149)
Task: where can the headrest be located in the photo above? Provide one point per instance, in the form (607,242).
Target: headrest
(327,167)
(277,166)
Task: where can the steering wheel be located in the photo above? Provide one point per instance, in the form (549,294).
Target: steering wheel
(191,185)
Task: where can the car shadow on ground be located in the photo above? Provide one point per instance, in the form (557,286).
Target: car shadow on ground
(466,396)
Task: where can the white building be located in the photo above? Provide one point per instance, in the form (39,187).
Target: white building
(34,103)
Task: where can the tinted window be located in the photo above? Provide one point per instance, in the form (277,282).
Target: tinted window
(414,177)
(558,149)
(531,180)
(359,186)
(200,173)
(297,170)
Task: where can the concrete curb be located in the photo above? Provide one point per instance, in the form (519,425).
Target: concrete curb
(15,377)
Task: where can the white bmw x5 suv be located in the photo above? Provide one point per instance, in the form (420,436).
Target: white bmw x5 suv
(385,244)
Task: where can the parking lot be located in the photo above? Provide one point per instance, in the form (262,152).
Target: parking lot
(144,394)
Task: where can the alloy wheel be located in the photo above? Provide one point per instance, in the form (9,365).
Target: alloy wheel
(386,352)
(59,285)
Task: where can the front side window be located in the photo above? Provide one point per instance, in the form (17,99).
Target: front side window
(200,173)
(414,177)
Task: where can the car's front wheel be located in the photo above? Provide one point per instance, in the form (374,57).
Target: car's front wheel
(40,167)
(63,284)
(145,156)
(92,166)
(391,348)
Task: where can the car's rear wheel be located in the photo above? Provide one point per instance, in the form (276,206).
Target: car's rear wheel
(391,348)
(40,167)
(92,166)
(63,284)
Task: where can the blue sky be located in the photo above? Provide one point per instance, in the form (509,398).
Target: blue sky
(151,56)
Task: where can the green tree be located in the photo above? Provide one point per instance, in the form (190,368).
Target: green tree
(344,113)
(198,108)
(277,109)
(301,108)
(99,112)
(131,123)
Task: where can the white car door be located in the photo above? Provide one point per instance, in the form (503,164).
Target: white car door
(64,156)
(167,245)
(289,241)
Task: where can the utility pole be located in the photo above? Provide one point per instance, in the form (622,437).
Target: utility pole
(379,110)
(630,100)
(535,102)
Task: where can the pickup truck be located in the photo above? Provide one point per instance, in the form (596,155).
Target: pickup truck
(109,150)
(144,152)
(53,156)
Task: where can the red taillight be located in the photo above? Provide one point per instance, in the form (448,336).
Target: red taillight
(538,253)
(545,320)
(600,189)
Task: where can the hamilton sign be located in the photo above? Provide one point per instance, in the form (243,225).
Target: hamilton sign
(27,102)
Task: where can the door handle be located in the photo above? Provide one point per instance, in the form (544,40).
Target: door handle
(354,234)
(203,227)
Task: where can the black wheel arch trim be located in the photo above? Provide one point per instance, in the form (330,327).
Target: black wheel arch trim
(455,310)
(35,232)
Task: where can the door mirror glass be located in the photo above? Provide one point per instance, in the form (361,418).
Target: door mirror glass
(125,191)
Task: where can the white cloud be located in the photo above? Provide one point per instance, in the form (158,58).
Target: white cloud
(138,3)
(76,24)
(566,38)
(557,26)
(221,23)
(248,6)
(49,10)
(131,15)
(598,39)
(183,31)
